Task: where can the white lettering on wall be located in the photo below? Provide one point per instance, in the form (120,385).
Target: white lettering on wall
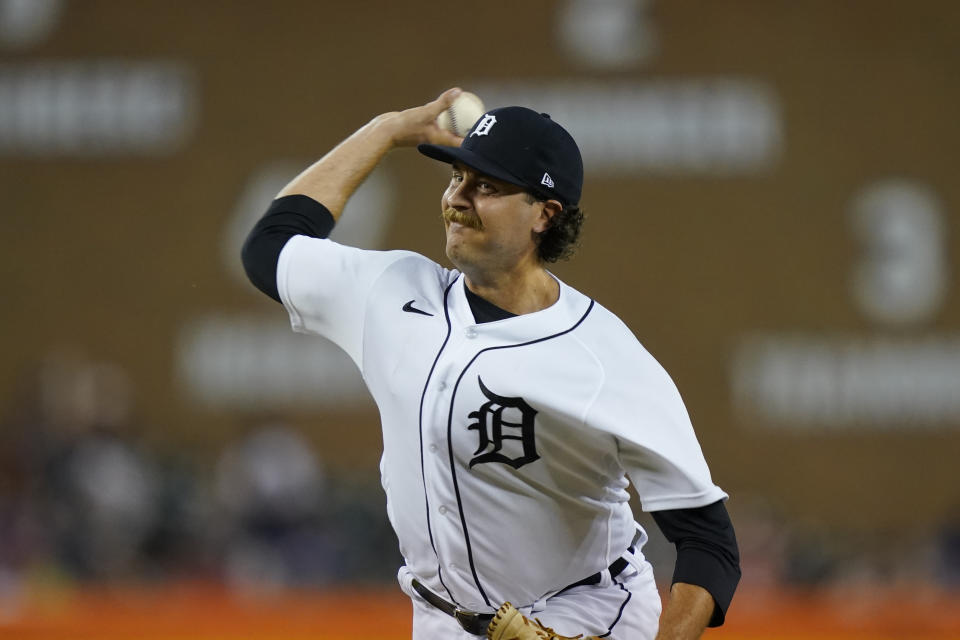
(27,22)
(705,126)
(607,34)
(252,362)
(848,382)
(94,108)
(901,277)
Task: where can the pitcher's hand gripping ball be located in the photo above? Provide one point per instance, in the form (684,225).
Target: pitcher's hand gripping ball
(510,624)
(462,114)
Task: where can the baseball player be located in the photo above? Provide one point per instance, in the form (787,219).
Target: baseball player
(514,408)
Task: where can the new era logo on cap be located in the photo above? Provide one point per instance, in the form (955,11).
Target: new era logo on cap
(546,180)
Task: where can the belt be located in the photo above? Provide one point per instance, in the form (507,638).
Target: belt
(471,621)
(615,569)
(477,623)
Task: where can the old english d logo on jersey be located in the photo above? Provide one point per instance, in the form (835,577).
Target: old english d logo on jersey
(483,127)
(502,419)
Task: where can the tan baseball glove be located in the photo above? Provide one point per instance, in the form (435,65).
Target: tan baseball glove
(510,624)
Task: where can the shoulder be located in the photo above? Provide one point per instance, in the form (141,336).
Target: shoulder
(411,267)
(607,324)
(602,330)
(322,268)
(614,345)
(305,249)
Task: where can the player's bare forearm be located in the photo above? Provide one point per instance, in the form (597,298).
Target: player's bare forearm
(333,179)
(687,613)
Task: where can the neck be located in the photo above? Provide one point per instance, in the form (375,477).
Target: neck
(520,291)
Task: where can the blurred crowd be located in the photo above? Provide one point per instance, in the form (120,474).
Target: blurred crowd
(85,496)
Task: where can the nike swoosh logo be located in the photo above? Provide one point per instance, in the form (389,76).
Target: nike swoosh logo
(409,308)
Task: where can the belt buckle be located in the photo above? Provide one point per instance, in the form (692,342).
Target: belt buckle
(471,621)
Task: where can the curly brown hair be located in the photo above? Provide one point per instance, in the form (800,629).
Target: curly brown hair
(559,241)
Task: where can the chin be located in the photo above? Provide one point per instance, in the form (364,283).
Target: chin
(456,255)
(453,253)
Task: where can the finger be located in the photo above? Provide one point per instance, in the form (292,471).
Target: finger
(439,135)
(443,101)
(447,138)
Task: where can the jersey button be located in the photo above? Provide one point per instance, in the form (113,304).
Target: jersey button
(442,509)
(470,333)
(433,448)
(442,386)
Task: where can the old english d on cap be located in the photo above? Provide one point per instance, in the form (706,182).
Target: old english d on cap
(522,147)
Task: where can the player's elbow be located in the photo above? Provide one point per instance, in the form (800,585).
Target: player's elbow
(259,257)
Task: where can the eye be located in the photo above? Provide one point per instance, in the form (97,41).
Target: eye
(486,187)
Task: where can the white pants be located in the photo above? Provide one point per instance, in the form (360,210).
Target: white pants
(625,608)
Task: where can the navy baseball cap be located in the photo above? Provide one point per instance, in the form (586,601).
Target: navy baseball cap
(522,147)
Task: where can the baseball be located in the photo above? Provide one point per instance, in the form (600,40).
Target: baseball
(462,114)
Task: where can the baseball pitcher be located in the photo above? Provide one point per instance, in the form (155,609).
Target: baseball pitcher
(514,408)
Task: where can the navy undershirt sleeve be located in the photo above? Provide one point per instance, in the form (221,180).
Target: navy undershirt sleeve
(287,217)
(707,553)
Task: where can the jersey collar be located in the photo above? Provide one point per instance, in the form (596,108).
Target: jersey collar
(563,314)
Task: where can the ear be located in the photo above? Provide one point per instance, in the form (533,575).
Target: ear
(549,209)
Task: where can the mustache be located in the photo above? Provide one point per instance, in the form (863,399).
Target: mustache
(453,215)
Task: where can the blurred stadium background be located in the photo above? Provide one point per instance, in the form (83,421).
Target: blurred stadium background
(773,200)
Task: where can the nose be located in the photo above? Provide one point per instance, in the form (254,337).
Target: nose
(457,195)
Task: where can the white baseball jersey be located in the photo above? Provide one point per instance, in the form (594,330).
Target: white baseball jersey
(507,444)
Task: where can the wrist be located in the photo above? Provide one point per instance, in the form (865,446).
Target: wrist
(383,131)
